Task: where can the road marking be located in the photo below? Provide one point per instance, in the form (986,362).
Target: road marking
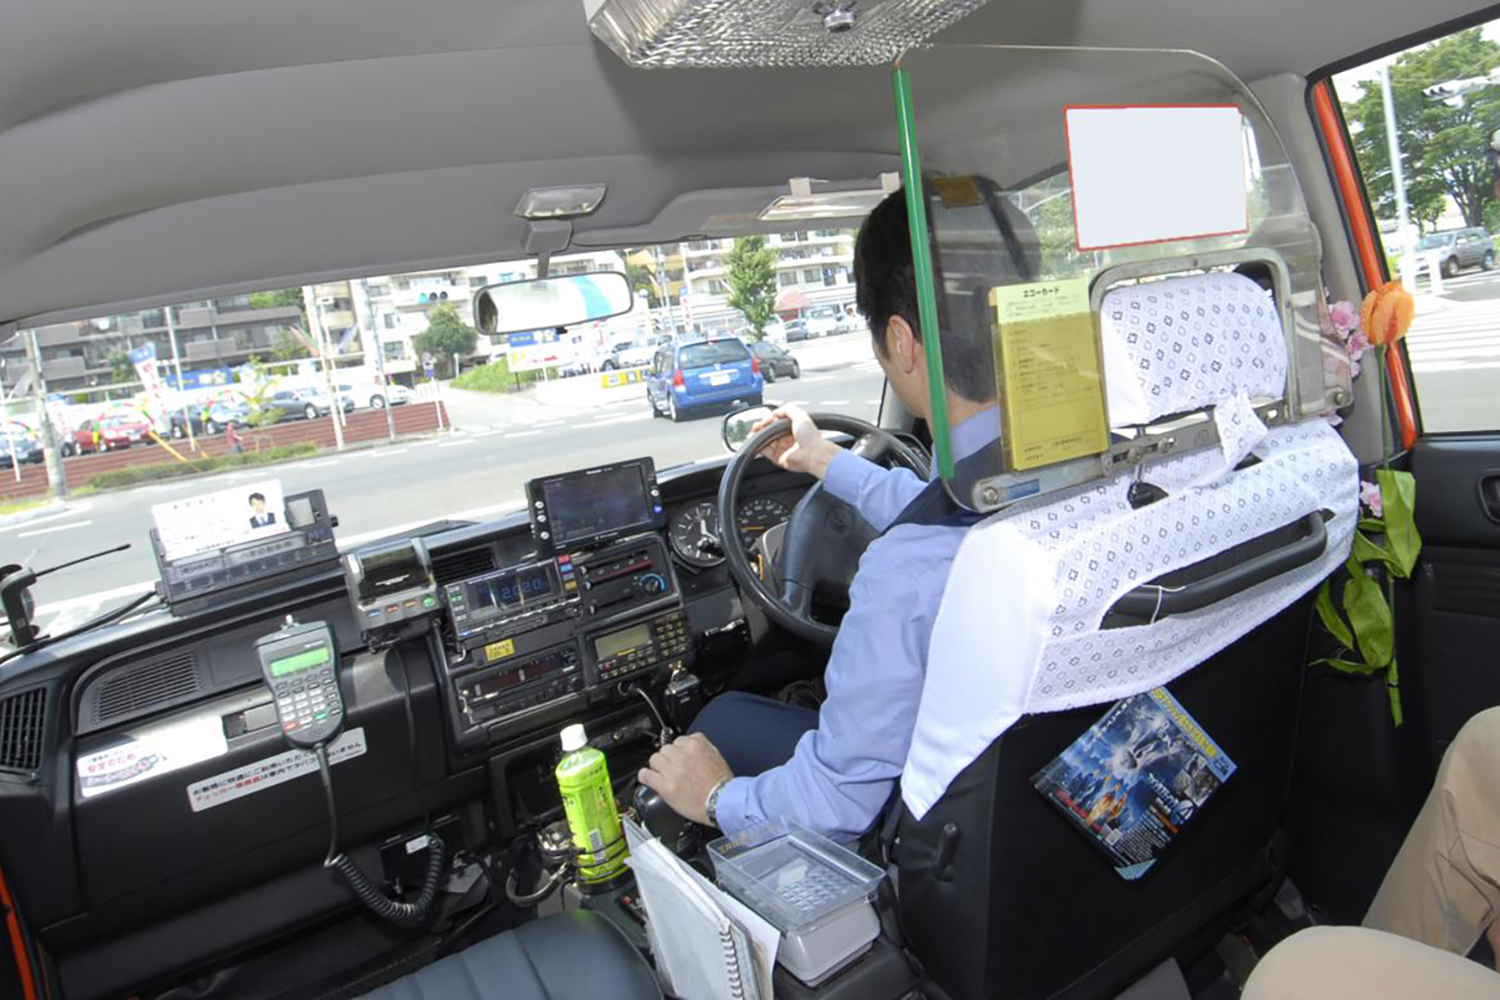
(48,531)
(383,452)
(618,420)
(818,378)
(478,513)
(835,402)
(74,509)
(455,444)
(550,423)
(522,434)
(325,463)
(873,402)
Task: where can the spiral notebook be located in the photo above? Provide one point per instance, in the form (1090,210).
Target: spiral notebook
(708,945)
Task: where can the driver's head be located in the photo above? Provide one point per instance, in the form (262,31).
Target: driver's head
(886,295)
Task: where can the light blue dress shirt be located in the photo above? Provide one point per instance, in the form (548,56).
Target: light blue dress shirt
(843,771)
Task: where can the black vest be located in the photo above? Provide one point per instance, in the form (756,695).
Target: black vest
(935,507)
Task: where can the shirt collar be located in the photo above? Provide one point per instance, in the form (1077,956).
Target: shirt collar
(972,435)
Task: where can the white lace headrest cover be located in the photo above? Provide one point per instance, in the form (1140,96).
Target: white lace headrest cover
(1179,345)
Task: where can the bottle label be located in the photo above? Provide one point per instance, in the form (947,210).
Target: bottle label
(589,802)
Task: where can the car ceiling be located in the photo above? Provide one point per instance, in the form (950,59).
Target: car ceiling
(165,149)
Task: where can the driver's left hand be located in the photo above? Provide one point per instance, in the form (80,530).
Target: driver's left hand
(683,773)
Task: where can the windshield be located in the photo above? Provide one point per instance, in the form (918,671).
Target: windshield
(477,417)
(1435,240)
(715,352)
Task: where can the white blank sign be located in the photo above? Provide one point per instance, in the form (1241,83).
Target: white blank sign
(1152,174)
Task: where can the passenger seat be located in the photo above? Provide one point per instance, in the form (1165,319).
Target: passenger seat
(572,956)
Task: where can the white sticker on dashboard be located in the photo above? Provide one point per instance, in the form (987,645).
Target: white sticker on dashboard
(151,751)
(270,772)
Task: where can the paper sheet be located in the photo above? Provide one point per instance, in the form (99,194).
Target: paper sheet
(1047,352)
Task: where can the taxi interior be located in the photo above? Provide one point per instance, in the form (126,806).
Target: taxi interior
(134,138)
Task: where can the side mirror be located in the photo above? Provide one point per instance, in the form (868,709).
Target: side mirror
(545,303)
(737,425)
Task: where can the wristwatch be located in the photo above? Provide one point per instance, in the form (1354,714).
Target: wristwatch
(711,804)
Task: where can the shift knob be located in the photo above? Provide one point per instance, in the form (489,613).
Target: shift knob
(658,818)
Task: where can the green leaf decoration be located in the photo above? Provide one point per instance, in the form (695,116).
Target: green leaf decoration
(1347,666)
(1398,497)
(1372,525)
(1393,689)
(1332,620)
(1366,550)
(1369,616)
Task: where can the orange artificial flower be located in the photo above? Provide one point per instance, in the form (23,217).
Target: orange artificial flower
(1387,314)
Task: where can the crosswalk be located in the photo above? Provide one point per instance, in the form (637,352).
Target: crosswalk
(1455,335)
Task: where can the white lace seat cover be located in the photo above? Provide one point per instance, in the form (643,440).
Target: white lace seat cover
(1018,630)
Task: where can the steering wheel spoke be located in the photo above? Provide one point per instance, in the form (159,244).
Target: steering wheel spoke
(798,598)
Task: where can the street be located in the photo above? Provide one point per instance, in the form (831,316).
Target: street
(475,472)
(1454,346)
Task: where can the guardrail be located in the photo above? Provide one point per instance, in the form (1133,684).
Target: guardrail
(362,425)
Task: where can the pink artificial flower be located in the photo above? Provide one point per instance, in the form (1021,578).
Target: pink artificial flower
(1369,496)
(1357,345)
(1345,316)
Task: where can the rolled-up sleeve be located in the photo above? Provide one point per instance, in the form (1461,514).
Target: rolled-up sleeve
(843,771)
(878,493)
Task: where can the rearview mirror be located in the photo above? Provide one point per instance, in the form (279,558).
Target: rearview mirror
(737,425)
(544,303)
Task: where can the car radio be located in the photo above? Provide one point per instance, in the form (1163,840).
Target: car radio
(662,640)
(528,683)
(514,600)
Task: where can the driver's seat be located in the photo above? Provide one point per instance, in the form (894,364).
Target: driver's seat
(999,895)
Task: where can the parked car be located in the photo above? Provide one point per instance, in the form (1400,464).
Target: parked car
(797,330)
(304,404)
(825,321)
(209,418)
(631,354)
(690,376)
(374,394)
(18,449)
(110,433)
(1458,249)
(775,361)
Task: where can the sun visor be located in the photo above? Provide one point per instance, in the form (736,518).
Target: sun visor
(1085,184)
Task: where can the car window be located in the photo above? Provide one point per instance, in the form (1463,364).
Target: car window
(713,352)
(1437,235)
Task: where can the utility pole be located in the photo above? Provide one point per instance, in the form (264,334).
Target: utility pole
(1398,175)
(57,482)
(379,349)
(187,418)
(315,320)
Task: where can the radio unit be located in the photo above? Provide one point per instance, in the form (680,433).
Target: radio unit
(661,640)
(513,600)
(530,682)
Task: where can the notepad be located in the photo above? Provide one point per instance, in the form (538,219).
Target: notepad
(707,944)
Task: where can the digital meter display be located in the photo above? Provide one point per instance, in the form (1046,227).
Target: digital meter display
(300,661)
(508,590)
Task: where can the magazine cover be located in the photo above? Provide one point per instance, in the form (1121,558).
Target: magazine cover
(1135,778)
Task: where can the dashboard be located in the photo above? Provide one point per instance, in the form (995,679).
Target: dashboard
(149,788)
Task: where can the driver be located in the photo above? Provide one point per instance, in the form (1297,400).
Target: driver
(749,758)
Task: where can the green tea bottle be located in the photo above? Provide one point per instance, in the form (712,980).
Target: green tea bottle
(589,801)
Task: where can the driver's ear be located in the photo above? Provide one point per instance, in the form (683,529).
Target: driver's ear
(903,344)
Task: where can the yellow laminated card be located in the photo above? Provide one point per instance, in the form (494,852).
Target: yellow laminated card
(1047,351)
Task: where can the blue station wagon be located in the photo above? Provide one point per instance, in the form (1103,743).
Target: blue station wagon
(686,377)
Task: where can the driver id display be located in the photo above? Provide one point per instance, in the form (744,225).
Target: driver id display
(210,521)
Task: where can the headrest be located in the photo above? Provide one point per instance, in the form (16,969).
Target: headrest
(1182,344)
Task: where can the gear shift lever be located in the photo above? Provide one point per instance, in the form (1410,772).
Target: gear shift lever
(658,818)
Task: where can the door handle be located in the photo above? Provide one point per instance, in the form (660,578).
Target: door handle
(1489,496)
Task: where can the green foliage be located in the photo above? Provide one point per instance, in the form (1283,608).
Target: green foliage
(496,377)
(445,336)
(1059,242)
(120,368)
(643,280)
(288,347)
(750,273)
(255,391)
(1443,148)
(135,474)
(278,298)
(1362,622)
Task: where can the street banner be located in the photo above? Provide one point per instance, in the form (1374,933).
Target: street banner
(153,384)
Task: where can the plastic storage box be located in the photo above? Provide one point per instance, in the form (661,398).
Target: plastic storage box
(814,891)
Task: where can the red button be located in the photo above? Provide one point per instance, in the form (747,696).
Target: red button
(289,726)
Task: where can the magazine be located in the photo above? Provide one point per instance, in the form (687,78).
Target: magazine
(1136,778)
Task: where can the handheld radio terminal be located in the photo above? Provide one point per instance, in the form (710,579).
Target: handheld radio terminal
(300,664)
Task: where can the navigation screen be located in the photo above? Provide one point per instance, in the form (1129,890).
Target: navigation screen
(588,505)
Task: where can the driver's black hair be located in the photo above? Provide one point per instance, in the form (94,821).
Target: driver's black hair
(885,286)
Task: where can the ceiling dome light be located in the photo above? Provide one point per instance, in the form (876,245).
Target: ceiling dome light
(719,33)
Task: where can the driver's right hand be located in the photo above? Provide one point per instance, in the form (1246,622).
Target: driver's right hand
(805,449)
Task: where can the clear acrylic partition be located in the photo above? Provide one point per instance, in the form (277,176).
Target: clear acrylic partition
(989,132)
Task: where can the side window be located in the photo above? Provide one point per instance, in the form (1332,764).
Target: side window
(1420,124)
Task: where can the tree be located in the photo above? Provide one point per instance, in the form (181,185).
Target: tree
(643,281)
(1443,148)
(445,336)
(289,347)
(120,367)
(751,276)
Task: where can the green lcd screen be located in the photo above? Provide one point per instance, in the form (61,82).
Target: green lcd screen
(301,661)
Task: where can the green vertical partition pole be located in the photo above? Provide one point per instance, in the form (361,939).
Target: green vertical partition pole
(921,258)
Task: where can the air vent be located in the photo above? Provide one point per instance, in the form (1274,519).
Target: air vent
(462,565)
(23,721)
(128,691)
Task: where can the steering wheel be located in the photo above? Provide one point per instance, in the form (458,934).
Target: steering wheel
(824,537)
